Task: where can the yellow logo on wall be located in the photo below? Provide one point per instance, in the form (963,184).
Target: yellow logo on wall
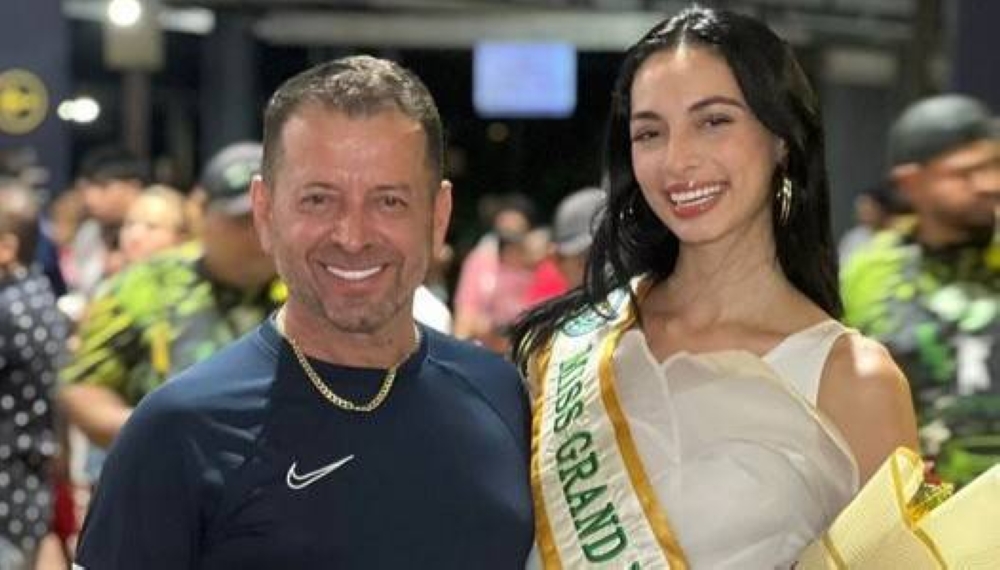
(24,101)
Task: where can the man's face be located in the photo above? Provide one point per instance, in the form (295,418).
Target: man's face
(961,188)
(232,250)
(351,217)
(109,201)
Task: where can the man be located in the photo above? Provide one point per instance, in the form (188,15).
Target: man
(32,337)
(572,233)
(339,434)
(109,180)
(157,317)
(930,290)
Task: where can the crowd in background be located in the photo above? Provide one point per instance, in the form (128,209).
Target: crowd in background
(119,282)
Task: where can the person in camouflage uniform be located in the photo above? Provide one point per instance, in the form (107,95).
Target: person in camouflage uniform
(929,288)
(159,316)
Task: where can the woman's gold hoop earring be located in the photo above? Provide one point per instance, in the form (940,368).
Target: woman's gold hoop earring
(784,200)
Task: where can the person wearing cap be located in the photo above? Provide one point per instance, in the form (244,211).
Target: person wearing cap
(160,315)
(930,288)
(572,233)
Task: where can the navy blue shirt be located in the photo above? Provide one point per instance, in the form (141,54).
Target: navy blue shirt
(240,463)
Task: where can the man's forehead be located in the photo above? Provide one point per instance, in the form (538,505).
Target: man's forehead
(361,132)
(336,127)
(970,155)
(381,112)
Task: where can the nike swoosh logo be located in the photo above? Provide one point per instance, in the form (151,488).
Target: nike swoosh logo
(296,481)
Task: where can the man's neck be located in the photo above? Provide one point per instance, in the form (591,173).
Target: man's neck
(938,236)
(321,339)
(229,277)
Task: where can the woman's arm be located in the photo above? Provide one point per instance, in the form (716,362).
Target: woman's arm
(867,397)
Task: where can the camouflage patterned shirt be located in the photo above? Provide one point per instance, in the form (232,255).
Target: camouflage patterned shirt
(938,312)
(156,318)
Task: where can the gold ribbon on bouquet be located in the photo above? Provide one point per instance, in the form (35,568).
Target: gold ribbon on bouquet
(898,520)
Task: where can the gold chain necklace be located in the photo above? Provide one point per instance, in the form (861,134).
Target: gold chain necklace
(325,391)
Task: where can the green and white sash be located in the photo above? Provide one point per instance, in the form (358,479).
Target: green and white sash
(594,505)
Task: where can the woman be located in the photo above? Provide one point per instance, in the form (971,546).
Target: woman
(156,220)
(697,402)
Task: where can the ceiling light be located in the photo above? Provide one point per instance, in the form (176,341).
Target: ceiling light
(124,13)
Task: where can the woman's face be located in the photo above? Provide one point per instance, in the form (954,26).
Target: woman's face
(151,225)
(702,159)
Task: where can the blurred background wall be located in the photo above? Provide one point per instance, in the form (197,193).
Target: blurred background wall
(174,80)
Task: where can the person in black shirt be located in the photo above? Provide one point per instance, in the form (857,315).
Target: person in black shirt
(340,433)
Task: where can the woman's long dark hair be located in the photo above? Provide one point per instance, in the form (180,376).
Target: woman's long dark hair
(630,240)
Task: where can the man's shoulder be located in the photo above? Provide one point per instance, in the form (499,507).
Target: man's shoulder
(878,276)
(487,372)
(879,263)
(890,242)
(469,359)
(494,378)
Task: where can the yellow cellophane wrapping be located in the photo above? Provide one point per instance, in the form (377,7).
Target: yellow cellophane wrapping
(880,529)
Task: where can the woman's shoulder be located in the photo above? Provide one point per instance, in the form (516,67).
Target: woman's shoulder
(867,396)
(860,374)
(859,362)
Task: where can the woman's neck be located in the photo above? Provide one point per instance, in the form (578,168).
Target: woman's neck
(722,283)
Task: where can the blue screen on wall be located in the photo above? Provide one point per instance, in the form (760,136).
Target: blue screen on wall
(524,80)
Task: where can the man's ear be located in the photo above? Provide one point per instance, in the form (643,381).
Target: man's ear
(442,214)
(906,177)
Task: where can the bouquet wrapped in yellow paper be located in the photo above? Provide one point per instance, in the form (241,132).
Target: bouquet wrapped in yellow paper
(898,520)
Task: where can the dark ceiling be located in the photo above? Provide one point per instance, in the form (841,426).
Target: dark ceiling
(450,22)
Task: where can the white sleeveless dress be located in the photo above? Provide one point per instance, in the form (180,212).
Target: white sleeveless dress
(746,467)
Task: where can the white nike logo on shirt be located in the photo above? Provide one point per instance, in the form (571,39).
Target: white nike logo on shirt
(296,481)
